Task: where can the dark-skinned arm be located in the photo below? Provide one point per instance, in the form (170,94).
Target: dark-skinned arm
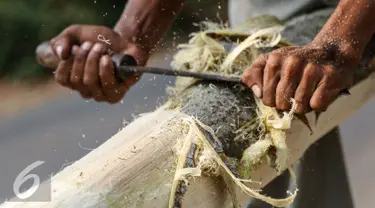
(349,29)
(315,74)
(90,71)
(146,21)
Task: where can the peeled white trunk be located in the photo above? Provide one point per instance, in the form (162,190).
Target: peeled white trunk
(135,168)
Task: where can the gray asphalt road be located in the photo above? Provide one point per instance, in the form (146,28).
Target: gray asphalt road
(358,136)
(64,130)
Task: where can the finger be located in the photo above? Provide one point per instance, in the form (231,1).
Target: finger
(132,80)
(271,78)
(76,75)
(290,77)
(91,72)
(85,95)
(62,46)
(253,76)
(324,95)
(62,72)
(108,80)
(120,90)
(309,81)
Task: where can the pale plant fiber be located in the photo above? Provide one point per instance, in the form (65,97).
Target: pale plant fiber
(205,54)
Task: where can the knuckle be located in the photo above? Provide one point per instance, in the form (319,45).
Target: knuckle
(299,100)
(274,55)
(289,72)
(283,106)
(293,59)
(103,75)
(113,100)
(299,110)
(85,95)
(260,62)
(329,69)
(273,63)
(268,102)
(53,42)
(86,46)
(310,69)
(120,91)
(61,79)
(106,80)
(105,64)
(89,82)
(330,80)
(99,98)
(106,70)
(90,61)
(80,56)
(246,76)
(108,85)
(57,39)
(98,48)
(75,80)
(317,106)
(302,108)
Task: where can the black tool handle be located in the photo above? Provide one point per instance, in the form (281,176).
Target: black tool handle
(126,66)
(47,58)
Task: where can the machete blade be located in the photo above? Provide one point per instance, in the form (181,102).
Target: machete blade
(317,115)
(305,121)
(344,92)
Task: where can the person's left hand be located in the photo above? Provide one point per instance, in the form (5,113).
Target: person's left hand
(312,75)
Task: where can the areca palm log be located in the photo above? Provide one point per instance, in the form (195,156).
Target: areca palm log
(136,167)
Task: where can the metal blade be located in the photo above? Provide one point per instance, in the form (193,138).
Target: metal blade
(170,72)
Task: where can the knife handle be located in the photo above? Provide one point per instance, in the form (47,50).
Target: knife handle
(47,58)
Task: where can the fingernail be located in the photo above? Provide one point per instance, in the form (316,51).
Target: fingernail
(75,50)
(256,90)
(97,48)
(86,46)
(105,60)
(59,50)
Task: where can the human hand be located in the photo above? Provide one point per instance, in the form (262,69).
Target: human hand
(313,75)
(90,71)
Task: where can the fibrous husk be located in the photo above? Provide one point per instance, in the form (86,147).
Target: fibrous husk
(218,49)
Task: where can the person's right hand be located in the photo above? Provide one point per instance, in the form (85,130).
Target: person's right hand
(90,71)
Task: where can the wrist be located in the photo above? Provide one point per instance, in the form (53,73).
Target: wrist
(339,50)
(348,30)
(140,53)
(130,46)
(133,38)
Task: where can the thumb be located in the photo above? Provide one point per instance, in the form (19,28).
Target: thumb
(62,47)
(63,43)
(253,76)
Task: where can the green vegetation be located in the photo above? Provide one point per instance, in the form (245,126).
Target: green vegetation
(25,24)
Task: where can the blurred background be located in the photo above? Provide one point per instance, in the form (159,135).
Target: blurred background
(40,120)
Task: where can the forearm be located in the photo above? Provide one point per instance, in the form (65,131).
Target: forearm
(146,21)
(350,27)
